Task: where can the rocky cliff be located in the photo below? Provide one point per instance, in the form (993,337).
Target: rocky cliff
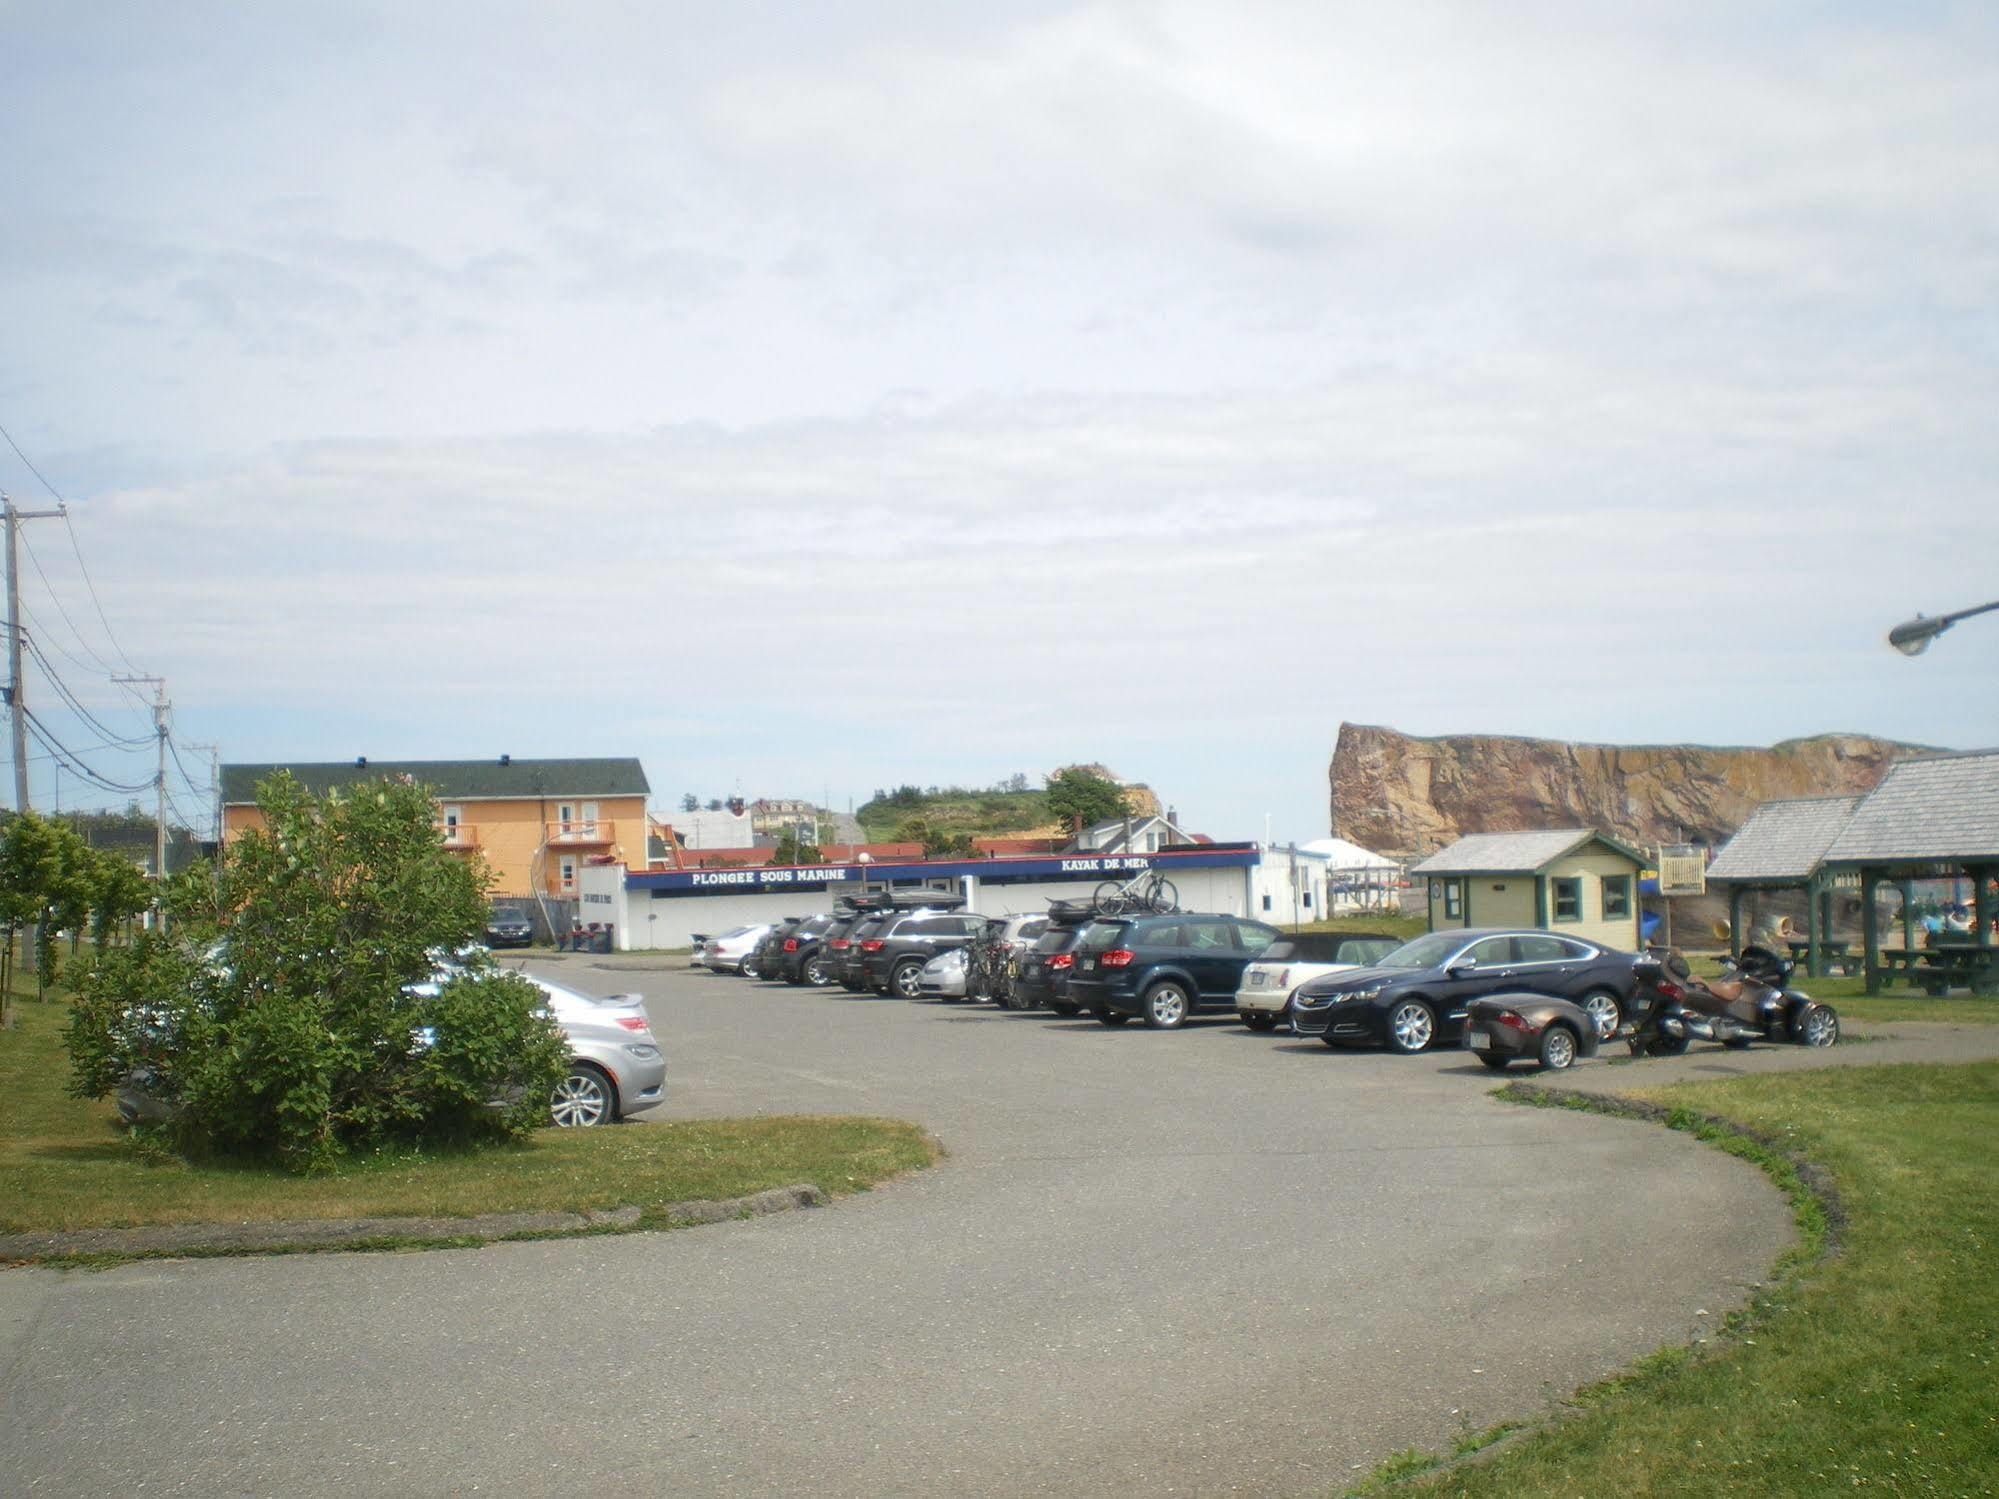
(1407,797)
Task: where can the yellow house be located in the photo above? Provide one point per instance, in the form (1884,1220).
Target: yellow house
(535,822)
(1568,880)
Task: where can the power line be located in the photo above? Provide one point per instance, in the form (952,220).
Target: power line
(56,599)
(74,762)
(83,567)
(110,737)
(31,467)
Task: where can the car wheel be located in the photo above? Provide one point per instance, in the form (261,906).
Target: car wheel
(1258,1020)
(1110,1017)
(817,973)
(1667,1046)
(906,979)
(1068,1012)
(750,970)
(1497,1064)
(1819,1027)
(1166,1006)
(1558,1049)
(1411,1027)
(1602,1007)
(583,1099)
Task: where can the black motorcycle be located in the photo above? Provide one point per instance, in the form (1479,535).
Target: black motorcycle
(1674,1009)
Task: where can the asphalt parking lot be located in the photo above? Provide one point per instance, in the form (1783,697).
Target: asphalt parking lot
(1193,1262)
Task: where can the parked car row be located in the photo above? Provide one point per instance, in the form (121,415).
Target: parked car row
(1505,994)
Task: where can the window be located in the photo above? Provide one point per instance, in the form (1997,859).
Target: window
(1167,935)
(1616,896)
(1266,902)
(1491,952)
(1206,934)
(1254,936)
(1454,900)
(1541,950)
(568,873)
(1567,894)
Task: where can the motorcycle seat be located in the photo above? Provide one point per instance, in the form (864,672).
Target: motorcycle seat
(1728,991)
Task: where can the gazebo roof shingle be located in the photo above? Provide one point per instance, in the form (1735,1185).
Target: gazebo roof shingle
(1934,808)
(1783,840)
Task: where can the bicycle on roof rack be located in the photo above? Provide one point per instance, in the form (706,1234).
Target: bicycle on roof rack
(1146,891)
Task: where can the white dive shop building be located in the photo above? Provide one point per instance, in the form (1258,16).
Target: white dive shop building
(666,907)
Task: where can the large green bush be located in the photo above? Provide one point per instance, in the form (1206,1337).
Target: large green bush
(298,1022)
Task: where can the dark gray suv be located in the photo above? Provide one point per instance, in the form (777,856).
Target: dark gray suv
(893,955)
(1163,967)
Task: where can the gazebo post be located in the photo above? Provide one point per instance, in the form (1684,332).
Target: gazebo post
(1909,914)
(1814,937)
(1735,893)
(1981,908)
(1870,931)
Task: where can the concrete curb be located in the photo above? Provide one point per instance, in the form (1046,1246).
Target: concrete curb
(343,1233)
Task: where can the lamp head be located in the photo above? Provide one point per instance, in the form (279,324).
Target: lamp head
(1913,637)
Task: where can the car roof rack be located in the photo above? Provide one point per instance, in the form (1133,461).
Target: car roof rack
(1071,912)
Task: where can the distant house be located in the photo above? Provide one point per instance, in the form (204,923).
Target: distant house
(535,822)
(1570,880)
(1128,835)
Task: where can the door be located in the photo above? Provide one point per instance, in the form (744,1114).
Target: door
(1211,955)
(565,816)
(587,819)
(1484,968)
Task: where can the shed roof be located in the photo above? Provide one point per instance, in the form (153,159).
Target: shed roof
(470,779)
(1931,808)
(1516,853)
(1340,854)
(1783,840)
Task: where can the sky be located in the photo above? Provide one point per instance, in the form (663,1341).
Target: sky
(813,399)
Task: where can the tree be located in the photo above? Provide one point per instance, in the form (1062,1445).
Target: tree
(714,804)
(795,848)
(690,803)
(44,868)
(1077,792)
(120,891)
(326,1026)
(937,842)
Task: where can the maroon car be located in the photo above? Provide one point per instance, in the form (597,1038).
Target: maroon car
(1541,1028)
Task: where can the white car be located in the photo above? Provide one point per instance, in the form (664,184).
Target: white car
(725,953)
(1266,985)
(943,977)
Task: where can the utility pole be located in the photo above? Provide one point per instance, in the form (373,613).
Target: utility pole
(160,706)
(15,703)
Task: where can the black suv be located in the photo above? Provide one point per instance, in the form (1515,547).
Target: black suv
(1163,967)
(892,957)
(761,963)
(799,957)
(1043,975)
(847,959)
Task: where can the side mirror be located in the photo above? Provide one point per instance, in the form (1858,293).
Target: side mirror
(1462,967)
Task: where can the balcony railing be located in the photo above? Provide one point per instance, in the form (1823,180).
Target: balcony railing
(582,832)
(459,835)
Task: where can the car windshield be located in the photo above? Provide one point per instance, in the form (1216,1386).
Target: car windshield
(1423,952)
(1055,939)
(508,913)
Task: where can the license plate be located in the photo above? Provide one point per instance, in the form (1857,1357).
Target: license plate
(1086,964)
(1479,1041)
(1256,981)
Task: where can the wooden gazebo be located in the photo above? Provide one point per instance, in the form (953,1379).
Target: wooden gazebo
(1932,817)
(1783,847)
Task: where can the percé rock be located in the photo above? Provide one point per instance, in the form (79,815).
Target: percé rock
(1407,797)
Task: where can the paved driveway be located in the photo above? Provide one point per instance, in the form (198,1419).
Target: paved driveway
(1185,1263)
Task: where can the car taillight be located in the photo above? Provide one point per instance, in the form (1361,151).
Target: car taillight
(1117,957)
(1283,978)
(1516,1021)
(873,944)
(1061,959)
(791,944)
(632,1022)
(839,944)
(1671,990)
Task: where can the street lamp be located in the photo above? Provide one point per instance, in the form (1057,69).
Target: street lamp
(1913,637)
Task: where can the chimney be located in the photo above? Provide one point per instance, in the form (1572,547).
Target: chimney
(506,759)
(360,762)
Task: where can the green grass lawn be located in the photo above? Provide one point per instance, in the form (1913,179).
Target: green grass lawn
(1387,923)
(66,1164)
(1870,1369)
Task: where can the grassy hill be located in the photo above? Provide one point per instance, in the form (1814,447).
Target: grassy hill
(954,810)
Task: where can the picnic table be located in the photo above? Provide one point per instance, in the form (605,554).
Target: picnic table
(1833,954)
(1938,970)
